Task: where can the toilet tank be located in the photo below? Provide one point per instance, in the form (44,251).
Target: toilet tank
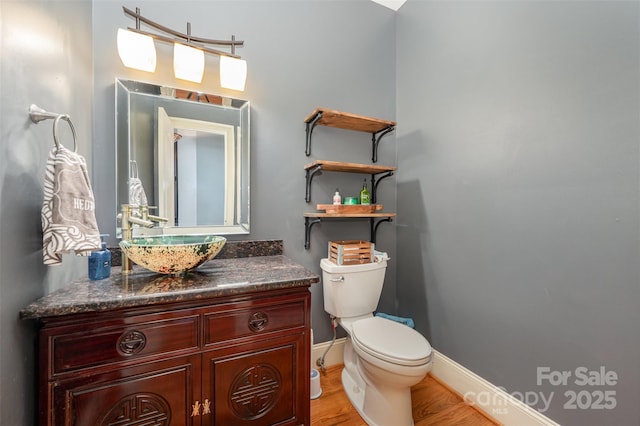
(352,290)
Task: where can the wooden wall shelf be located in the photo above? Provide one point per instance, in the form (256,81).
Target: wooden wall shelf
(337,166)
(375,219)
(344,120)
(348,215)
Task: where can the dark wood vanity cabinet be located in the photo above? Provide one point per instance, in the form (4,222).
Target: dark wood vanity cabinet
(233,360)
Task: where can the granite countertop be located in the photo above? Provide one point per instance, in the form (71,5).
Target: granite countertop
(218,277)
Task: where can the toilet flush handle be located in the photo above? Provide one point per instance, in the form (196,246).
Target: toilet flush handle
(340,279)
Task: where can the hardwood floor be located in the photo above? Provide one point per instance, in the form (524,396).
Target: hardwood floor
(433,404)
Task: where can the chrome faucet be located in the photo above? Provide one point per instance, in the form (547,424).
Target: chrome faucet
(127,218)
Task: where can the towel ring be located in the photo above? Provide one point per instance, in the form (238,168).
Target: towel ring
(73,130)
(38,114)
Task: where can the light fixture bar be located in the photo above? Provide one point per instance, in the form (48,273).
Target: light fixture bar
(186,43)
(186,39)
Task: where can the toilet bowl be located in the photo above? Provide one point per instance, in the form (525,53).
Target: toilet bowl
(382,358)
(386,358)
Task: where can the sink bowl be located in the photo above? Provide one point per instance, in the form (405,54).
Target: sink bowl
(172,254)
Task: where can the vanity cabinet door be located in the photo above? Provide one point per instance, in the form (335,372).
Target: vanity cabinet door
(257,383)
(159,393)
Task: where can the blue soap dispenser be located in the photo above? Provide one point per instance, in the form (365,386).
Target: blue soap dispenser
(100,262)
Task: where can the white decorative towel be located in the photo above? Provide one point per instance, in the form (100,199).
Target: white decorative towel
(137,196)
(68,211)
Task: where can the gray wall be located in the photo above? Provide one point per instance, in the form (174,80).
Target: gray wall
(518,191)
(42,61)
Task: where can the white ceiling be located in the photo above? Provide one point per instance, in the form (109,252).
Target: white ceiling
(391,4)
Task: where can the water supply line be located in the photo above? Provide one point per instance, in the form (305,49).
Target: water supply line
(320,361)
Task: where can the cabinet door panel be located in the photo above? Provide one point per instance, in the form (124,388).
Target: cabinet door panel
(156,394)
(256,387)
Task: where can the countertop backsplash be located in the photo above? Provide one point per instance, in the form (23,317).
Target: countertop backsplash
(231,250)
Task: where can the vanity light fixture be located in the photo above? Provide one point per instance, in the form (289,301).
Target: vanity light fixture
(188,52)
(233,73)
(136,50)
(188,63)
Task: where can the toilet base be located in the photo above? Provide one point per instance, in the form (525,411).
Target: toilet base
(358,398)
(356,395)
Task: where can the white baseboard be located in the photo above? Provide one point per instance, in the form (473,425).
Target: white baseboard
(475,390)
(489,398)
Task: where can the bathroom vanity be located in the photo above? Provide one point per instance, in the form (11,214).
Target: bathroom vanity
(227,344)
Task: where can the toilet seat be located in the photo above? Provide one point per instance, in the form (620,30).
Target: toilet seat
(390,341)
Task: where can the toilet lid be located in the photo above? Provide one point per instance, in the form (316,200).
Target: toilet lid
(391,341)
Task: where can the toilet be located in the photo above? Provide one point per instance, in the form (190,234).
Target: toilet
(382,358)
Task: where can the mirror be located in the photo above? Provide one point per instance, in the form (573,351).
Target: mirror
(190,152)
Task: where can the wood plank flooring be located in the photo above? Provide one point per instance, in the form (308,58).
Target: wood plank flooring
(433,404)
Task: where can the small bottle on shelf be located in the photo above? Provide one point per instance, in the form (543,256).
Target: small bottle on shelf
(337,199)
(365,195)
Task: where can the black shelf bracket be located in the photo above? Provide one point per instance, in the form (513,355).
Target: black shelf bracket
(310,173)
(374,227)
(311,124)
(308,223)
(375,141)
(374,185)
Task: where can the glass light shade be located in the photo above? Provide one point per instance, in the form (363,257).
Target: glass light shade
(136,50)
(188,63)
(233,73)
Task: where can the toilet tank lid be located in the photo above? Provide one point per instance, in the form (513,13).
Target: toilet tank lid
(396,341)
(332,268)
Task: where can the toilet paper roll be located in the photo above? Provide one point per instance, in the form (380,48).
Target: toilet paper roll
(316,390)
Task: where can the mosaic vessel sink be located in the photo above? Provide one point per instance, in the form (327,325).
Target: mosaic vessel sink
(172,254)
